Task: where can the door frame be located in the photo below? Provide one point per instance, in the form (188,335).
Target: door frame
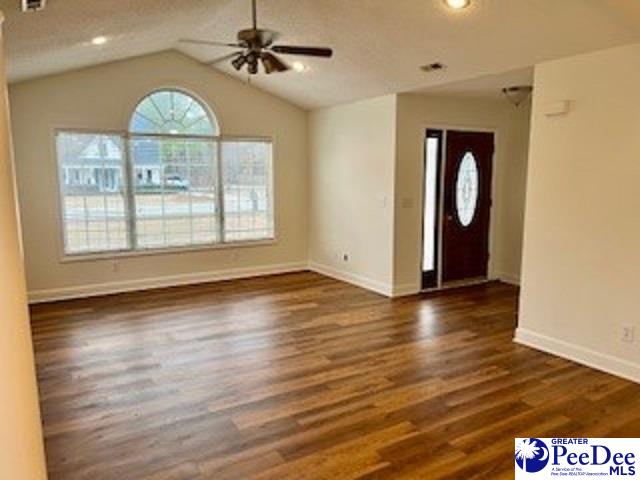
(440,220)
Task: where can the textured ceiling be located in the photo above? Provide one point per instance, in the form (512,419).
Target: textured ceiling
(378,44)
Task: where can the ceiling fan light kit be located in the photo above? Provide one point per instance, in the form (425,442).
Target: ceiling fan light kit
(257,47)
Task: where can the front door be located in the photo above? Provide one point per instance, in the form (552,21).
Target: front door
(467,205)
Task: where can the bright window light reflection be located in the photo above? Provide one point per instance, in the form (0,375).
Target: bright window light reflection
(430,203)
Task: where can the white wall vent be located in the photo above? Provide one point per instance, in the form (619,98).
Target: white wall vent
(33,5)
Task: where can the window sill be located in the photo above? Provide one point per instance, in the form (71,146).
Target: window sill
(88,257)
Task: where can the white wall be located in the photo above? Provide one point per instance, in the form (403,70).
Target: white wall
(103,97)
(21,448)
(417,112)
(352,159)
(580,281)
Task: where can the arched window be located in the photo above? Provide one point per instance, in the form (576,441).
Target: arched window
(171,181)
(174,155)
(172,112)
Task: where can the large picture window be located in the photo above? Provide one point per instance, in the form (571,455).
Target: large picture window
(171,181)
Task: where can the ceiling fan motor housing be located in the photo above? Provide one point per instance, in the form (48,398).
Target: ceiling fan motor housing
(256,38)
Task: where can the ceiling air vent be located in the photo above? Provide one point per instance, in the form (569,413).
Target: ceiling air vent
(33,5)
(433,67)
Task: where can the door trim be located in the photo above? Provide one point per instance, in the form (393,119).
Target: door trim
(445,127)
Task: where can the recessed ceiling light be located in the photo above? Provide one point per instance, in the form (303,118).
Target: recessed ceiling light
(101,40)
(458,4)
(300,67)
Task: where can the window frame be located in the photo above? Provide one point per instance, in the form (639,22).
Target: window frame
(132,251)
(205,106)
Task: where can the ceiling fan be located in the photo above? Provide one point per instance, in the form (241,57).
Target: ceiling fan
(257,46)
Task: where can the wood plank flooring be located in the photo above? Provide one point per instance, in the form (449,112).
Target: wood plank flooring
(303,377)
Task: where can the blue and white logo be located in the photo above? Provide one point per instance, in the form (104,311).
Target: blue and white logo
(550,458)
(532,454)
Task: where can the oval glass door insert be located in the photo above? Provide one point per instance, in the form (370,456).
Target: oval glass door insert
(467,185)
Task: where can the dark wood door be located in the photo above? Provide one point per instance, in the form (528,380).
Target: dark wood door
(467,205)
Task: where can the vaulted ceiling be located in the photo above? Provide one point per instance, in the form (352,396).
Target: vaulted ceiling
(378,44)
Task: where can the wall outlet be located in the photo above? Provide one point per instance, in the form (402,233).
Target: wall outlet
(345,257)
(628,333)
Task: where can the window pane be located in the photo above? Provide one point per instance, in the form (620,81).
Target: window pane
(171,112)
(175,192)
(248,196)
(92,191)
(467,189)
(430,204)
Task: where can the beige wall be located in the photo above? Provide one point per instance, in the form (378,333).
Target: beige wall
(366,185)
(355,191)
(103,97)
(21,449)
(351,191)
(581,259)
(416,112)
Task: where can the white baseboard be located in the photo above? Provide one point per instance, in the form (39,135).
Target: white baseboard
(405,290)
(83,291)
(358,280)
(509,278)
(585,356)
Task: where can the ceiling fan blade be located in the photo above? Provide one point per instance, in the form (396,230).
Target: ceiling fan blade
(224,58)
(309,51)
(272,64)
(210,43)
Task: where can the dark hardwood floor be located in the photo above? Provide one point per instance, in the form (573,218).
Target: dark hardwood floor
(303,377)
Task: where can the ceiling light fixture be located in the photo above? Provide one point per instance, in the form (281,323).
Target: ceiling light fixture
(252,62)
(257,44)
(101,40)
(239,62)
(518,94)
(300,67)
(271,63)
(458,4)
